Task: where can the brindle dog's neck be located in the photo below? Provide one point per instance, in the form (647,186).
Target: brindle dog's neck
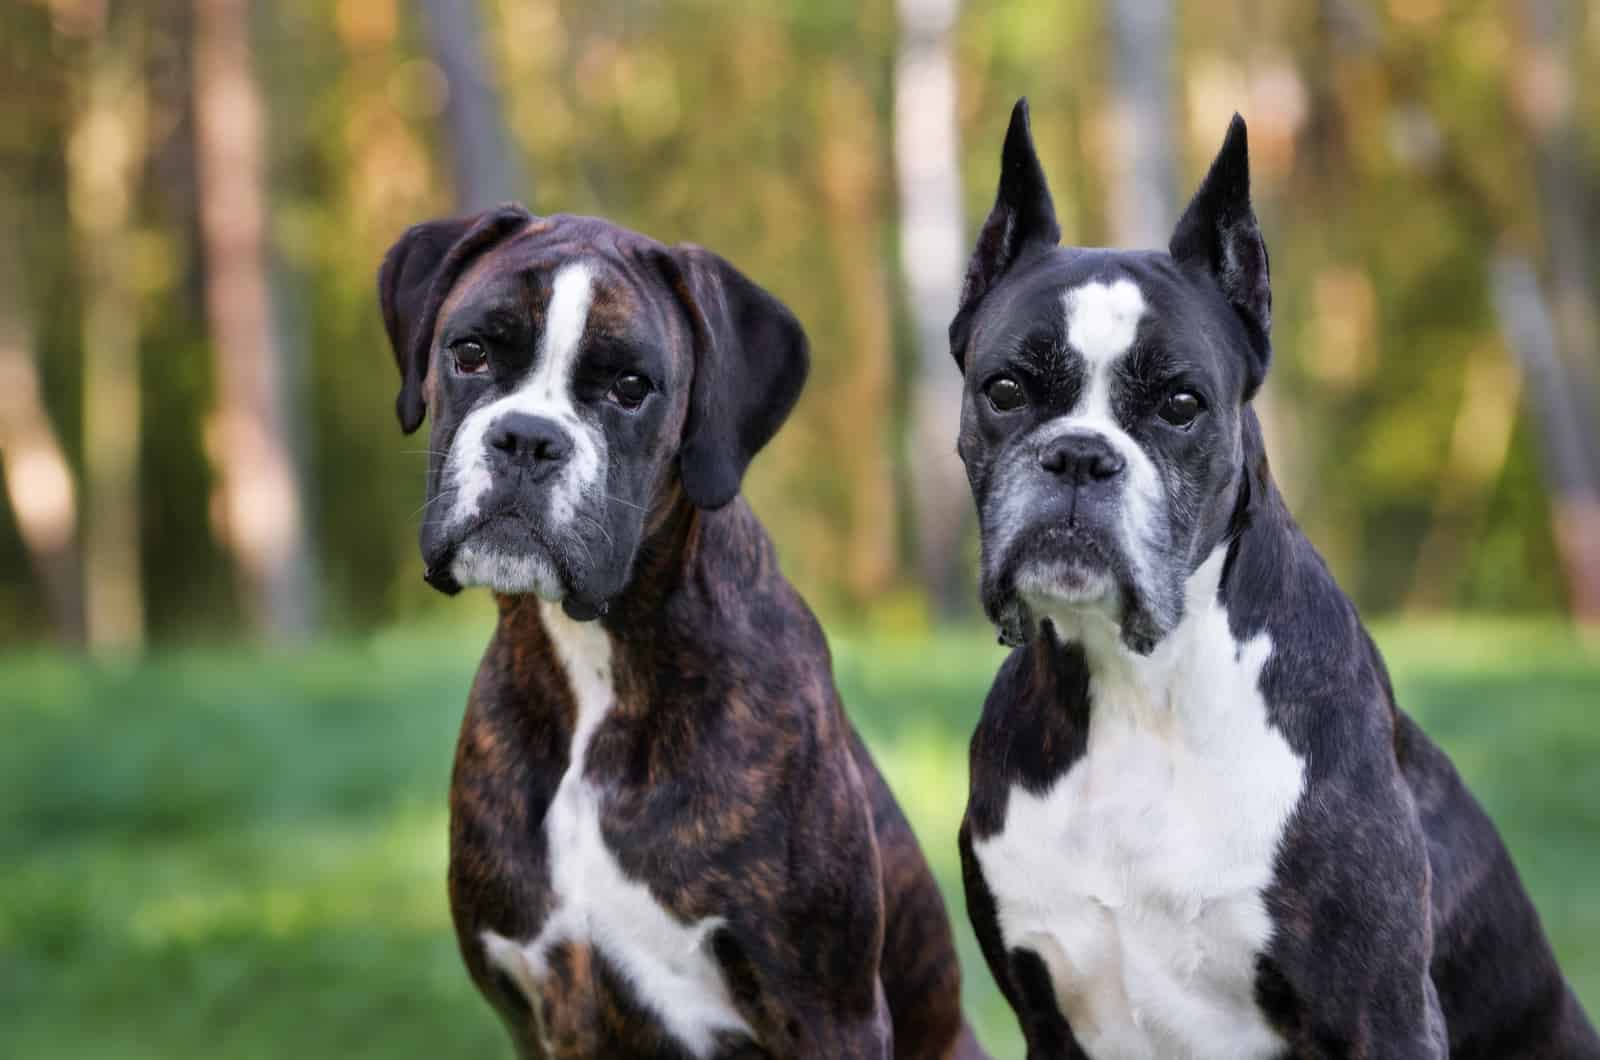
(690,615)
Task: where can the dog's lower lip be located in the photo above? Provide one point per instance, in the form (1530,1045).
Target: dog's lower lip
(439,561)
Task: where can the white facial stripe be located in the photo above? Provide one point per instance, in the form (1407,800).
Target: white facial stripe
(667,961)
(1103,318)
(572,293)
(546,392)
(1102,322)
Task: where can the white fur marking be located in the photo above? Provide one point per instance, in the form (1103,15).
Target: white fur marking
(547,392)
(1138,876)
(1102,323)
(666,962)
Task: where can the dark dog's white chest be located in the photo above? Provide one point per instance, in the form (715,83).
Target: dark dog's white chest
(1137,877)
(666,962)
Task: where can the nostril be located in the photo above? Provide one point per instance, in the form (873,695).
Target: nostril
(1105,465)
(549,448)
(529,439)
(1081,458)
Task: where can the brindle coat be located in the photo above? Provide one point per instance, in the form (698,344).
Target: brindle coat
(735,787)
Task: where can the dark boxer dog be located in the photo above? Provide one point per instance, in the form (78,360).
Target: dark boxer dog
(1199,826)
(666,839)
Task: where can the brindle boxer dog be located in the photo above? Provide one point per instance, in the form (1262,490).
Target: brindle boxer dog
(666,838)
(1199,825)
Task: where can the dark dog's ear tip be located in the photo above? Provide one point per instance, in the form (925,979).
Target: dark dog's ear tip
(1236,142)
(409,411)
(1018,145)
(710,481)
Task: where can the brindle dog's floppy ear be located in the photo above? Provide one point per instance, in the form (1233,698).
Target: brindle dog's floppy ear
(751,358)
(413,281)
(1218,234)
(1022,223)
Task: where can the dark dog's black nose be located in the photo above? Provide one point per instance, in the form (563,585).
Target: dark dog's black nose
(1081,458)
(536,442)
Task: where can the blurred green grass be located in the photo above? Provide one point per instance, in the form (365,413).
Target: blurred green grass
(215,853)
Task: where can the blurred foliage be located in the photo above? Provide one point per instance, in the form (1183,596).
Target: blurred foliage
(1388,166)
(215,854)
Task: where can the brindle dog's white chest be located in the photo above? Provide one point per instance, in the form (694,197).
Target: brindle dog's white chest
(1138,876)
(666,962)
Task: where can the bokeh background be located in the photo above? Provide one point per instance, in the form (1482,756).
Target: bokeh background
(227,700)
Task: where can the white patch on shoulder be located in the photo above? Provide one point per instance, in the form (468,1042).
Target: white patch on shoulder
(1138,876)
(667,963)
(546,391)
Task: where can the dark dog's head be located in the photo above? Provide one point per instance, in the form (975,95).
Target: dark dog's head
(1101,419)
(581,378)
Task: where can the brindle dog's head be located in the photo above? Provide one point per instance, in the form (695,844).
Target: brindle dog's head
(581,379)
(1105,399)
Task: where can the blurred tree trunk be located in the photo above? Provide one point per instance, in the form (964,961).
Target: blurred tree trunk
(1563,383)
(38,479)
(932,255)
(487,171)
(1144,171)
(1479,445)
(852,191)
(259,508)
(104,156)
(1533,334)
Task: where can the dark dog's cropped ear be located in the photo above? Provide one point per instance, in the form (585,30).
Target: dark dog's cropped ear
(1022,222)
(751,358)
(1218,234)
(416,276)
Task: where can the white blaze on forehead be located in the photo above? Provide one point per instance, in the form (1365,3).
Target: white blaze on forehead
(1102,322)
(1103,319)
(571,295)
(546,391)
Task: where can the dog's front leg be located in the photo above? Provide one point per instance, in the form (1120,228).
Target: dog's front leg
(1348,970)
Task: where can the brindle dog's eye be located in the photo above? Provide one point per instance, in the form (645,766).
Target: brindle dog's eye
(630,390)
(1005,394)
(471,358)
(1180,408)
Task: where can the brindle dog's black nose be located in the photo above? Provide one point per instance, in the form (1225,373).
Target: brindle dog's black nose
(538,443)
(1081,458)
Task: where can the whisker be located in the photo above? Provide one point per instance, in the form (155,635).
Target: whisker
(587,555)
(431,501)
(627,504)
(598,525)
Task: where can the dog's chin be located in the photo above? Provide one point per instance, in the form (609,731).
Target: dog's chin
(1079,594)
(504,553)
(1074,584)
(510,572)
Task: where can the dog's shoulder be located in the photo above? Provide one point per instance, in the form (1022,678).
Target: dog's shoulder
(1034,725)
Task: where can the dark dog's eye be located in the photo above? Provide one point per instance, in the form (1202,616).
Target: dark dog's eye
(1180,408)
(630,390)
(471,358)
(1005,394)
